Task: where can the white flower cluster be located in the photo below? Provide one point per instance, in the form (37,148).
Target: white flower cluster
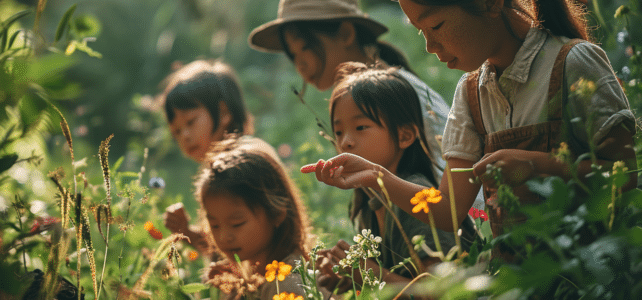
(366,246)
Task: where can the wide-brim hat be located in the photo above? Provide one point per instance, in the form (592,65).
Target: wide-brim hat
(265,37)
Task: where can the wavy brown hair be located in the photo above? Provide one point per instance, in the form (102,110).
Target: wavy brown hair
(255,176)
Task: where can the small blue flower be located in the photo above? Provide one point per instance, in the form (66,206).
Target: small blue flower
(156,183)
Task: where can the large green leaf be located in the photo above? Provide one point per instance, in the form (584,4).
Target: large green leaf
(6,161)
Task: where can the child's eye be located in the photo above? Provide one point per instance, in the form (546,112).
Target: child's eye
(438,26)
(362,127)
(238,225)
(337,133)
(214,226)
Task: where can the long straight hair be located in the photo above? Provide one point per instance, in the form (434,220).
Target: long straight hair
(386,98)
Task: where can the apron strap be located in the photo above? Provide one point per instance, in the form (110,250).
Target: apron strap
(556,81)
(472,86)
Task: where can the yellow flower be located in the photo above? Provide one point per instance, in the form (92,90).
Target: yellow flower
(275,267)
(423,197)
(286,296)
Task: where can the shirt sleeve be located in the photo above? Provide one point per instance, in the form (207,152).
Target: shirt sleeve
(596,101)
(461,139)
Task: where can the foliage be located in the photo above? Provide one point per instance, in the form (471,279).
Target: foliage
(87,70)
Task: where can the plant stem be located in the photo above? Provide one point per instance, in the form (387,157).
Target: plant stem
(411,283)
(411,249)
(434,231)
(453,208)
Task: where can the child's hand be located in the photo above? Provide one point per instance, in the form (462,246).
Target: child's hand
(328,279)
(516,166)
(345,171)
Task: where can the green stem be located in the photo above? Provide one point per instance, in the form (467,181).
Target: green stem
(411,249)
(453,209)
(434,232)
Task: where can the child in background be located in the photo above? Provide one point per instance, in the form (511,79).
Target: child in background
(513,106)
(318,35)
(375,113)
(252,209)
(203,102)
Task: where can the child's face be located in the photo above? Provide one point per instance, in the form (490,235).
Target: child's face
(309,65)
(458,38)
(358,134)
(236,229)
(192,130)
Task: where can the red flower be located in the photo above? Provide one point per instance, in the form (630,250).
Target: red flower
(478,213)
(153,232)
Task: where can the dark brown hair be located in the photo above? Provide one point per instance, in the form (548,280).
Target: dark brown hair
(385,97)
(560,17)
(308,31)
(261,181)
(207,84)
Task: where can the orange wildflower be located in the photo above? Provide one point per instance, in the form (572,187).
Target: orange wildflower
(153,232)
(286,296)
(275,267)
(423,197)
(192,255)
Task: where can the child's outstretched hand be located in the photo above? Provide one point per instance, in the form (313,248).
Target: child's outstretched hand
(345,171)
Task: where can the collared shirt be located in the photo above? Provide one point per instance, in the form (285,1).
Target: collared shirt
(520,95)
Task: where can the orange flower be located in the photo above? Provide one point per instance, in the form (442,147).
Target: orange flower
(155,233)
(275,267)
(286,296)
(192,255)
(423,197)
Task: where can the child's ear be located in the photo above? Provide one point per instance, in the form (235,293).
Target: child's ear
(347,33)
(224,116)
(279,220)
(407,135)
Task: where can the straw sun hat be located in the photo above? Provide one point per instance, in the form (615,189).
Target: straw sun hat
(265,37)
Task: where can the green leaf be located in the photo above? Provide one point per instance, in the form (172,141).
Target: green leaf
(7,161)
(13,38)
(193,288)
(118,163)
(4,31)
(86,26)
(64,22)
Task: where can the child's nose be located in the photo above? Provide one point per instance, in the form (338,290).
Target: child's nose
(347,142)
(432,46)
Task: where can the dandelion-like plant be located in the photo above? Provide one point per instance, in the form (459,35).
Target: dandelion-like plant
(277,270)
(420,201)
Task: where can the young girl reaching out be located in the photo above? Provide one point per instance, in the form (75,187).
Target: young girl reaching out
(376,114)
(202,102)
(253,210)
(514,106)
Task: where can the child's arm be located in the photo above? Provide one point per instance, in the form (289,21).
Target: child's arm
(347,171)
(520,165)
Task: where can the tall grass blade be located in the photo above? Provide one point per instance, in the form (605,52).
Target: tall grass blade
(103,154)
(86,236)
(79,229)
